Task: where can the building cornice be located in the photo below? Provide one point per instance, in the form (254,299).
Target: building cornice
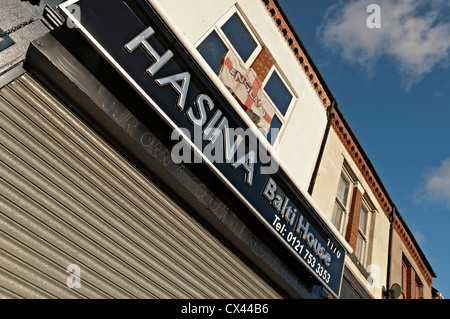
(359,159)
(346,136)
(340,128)
(297,49)
(409,244)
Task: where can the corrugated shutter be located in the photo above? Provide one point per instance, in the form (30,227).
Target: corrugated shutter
(66,197)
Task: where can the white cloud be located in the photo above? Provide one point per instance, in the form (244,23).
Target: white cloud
(437,184)
(413,33)
(421,239)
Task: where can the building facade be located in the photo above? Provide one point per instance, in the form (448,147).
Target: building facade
(160,149)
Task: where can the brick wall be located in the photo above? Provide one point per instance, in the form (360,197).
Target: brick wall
(296,48)
(263,63)
(339,127)
(351,234)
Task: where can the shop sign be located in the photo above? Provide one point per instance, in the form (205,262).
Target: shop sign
(132,37)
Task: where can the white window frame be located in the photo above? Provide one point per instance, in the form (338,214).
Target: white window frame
(218,28)
(283,118)
(362,255)
(344,206)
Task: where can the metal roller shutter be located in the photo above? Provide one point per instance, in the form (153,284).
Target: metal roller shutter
(67,197)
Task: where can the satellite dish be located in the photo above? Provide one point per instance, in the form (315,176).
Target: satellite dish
(395,291)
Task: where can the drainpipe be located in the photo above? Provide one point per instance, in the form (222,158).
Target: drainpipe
(391,235)
(322,148)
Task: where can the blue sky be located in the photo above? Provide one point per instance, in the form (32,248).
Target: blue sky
(393,87)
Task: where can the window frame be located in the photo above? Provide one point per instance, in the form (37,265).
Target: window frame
(283,118)
(217,27)
(404,278)
(412,288)
(344,206)
(363,235)
(418,288)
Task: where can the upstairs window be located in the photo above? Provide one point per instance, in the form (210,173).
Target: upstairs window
(278,93)
(418,289)
(213,49)
(281,97)
(361,242)
(239,37)
(412,288)
(405,268)
(231,37)
(341,205)
(230,33)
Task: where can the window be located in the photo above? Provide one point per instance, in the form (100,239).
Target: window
(240,38)
(404,279)
(278,93)
(230,33)
(281,97)
(340,211)
(418,288)
(275,127)
(361,242)
(212,49)
(412,288)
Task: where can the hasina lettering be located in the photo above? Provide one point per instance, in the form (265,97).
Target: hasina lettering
(211,127)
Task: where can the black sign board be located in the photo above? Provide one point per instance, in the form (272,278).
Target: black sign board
(142,48)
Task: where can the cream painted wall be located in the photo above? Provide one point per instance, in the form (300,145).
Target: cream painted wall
(195,17)
(328,176)
(324,195)
(301,136)
(306,120)
(398,250)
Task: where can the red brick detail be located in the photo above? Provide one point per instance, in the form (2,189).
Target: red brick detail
(263,63)
(341,131)
(277,17)
(411,283)
(351,234)
(410,277)
(338,124)
(408,243)
(352,149)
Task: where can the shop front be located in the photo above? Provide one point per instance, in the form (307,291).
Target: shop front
(127,161)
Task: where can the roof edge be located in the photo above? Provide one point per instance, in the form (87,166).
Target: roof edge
(340,124)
